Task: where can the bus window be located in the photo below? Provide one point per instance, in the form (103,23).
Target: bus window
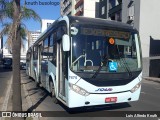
(35,53)
(45,49)
(50,48)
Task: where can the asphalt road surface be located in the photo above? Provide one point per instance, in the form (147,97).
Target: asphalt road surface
(149,101)
(41,101)
(5,79)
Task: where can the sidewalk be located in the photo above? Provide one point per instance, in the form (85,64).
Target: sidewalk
(27,102)
(152,79)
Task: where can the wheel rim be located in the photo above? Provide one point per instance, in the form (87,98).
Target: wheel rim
(52,89)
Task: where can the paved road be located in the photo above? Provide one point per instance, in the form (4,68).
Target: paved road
(41,101)
(5,77)
(149,101)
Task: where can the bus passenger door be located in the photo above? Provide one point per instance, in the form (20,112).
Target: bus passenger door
(62,70)
(44,66)
(39,62)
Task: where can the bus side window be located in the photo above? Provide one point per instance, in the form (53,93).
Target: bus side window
(62,29)
(54,47)
(35,52)
(45,49)
(50,48)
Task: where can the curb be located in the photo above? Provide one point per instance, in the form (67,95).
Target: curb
(152,79)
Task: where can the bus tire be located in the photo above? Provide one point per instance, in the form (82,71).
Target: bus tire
(36,80)
(52,92)
(37,84)
(29,77)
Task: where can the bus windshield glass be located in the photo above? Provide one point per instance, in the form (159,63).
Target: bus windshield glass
(106,50)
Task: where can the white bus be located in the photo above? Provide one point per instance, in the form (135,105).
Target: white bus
(86,62)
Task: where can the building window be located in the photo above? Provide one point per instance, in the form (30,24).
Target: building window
(48,24)
(118,16)
(112,3)
(103,10)
(131,10)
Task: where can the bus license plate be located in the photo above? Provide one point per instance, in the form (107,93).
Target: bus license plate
(110,99)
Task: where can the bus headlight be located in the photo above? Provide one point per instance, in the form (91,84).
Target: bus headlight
(78,89)
(136,87)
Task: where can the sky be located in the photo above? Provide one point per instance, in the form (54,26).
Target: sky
(46,9)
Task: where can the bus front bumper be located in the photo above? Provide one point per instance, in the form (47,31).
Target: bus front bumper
(77,100)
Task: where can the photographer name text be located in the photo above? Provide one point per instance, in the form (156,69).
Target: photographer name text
(42,3)
(142,115)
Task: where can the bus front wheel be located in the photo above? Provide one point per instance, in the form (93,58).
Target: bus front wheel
(52,93)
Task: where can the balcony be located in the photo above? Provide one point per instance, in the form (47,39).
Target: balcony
(79,13)
(115,9)
(130,19)
(79,3)
(63,1)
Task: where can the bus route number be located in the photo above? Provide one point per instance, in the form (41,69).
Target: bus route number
(72,77)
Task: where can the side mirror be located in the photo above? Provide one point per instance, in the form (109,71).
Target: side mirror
(66,43)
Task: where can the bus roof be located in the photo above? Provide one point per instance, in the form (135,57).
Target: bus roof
(99,21)
(87,20)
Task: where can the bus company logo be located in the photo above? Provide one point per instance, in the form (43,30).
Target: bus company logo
(104,89)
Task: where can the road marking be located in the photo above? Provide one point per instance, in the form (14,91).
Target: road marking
(6,99)
(143,92)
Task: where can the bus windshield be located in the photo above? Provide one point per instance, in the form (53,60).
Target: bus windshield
(106,50)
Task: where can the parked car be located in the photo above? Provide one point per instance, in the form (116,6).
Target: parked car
(7,62)
(23,65)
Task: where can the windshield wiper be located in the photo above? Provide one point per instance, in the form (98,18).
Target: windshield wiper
(96,73)
(125,65)
(100,67)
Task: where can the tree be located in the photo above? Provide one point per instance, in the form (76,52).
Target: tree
(23,32)
(6,11)
(13,11)
(16,45)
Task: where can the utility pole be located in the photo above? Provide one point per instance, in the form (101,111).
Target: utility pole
(1,47)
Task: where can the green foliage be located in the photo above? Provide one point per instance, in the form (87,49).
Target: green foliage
(6,12)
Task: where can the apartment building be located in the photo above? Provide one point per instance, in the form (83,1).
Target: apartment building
(67,7)
(87,8)
(33,37)
(45,24)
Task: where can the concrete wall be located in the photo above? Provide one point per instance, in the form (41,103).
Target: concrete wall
(146,64)
(89,8)
(44,24)
(73,11)
(125,12)
(149,23)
